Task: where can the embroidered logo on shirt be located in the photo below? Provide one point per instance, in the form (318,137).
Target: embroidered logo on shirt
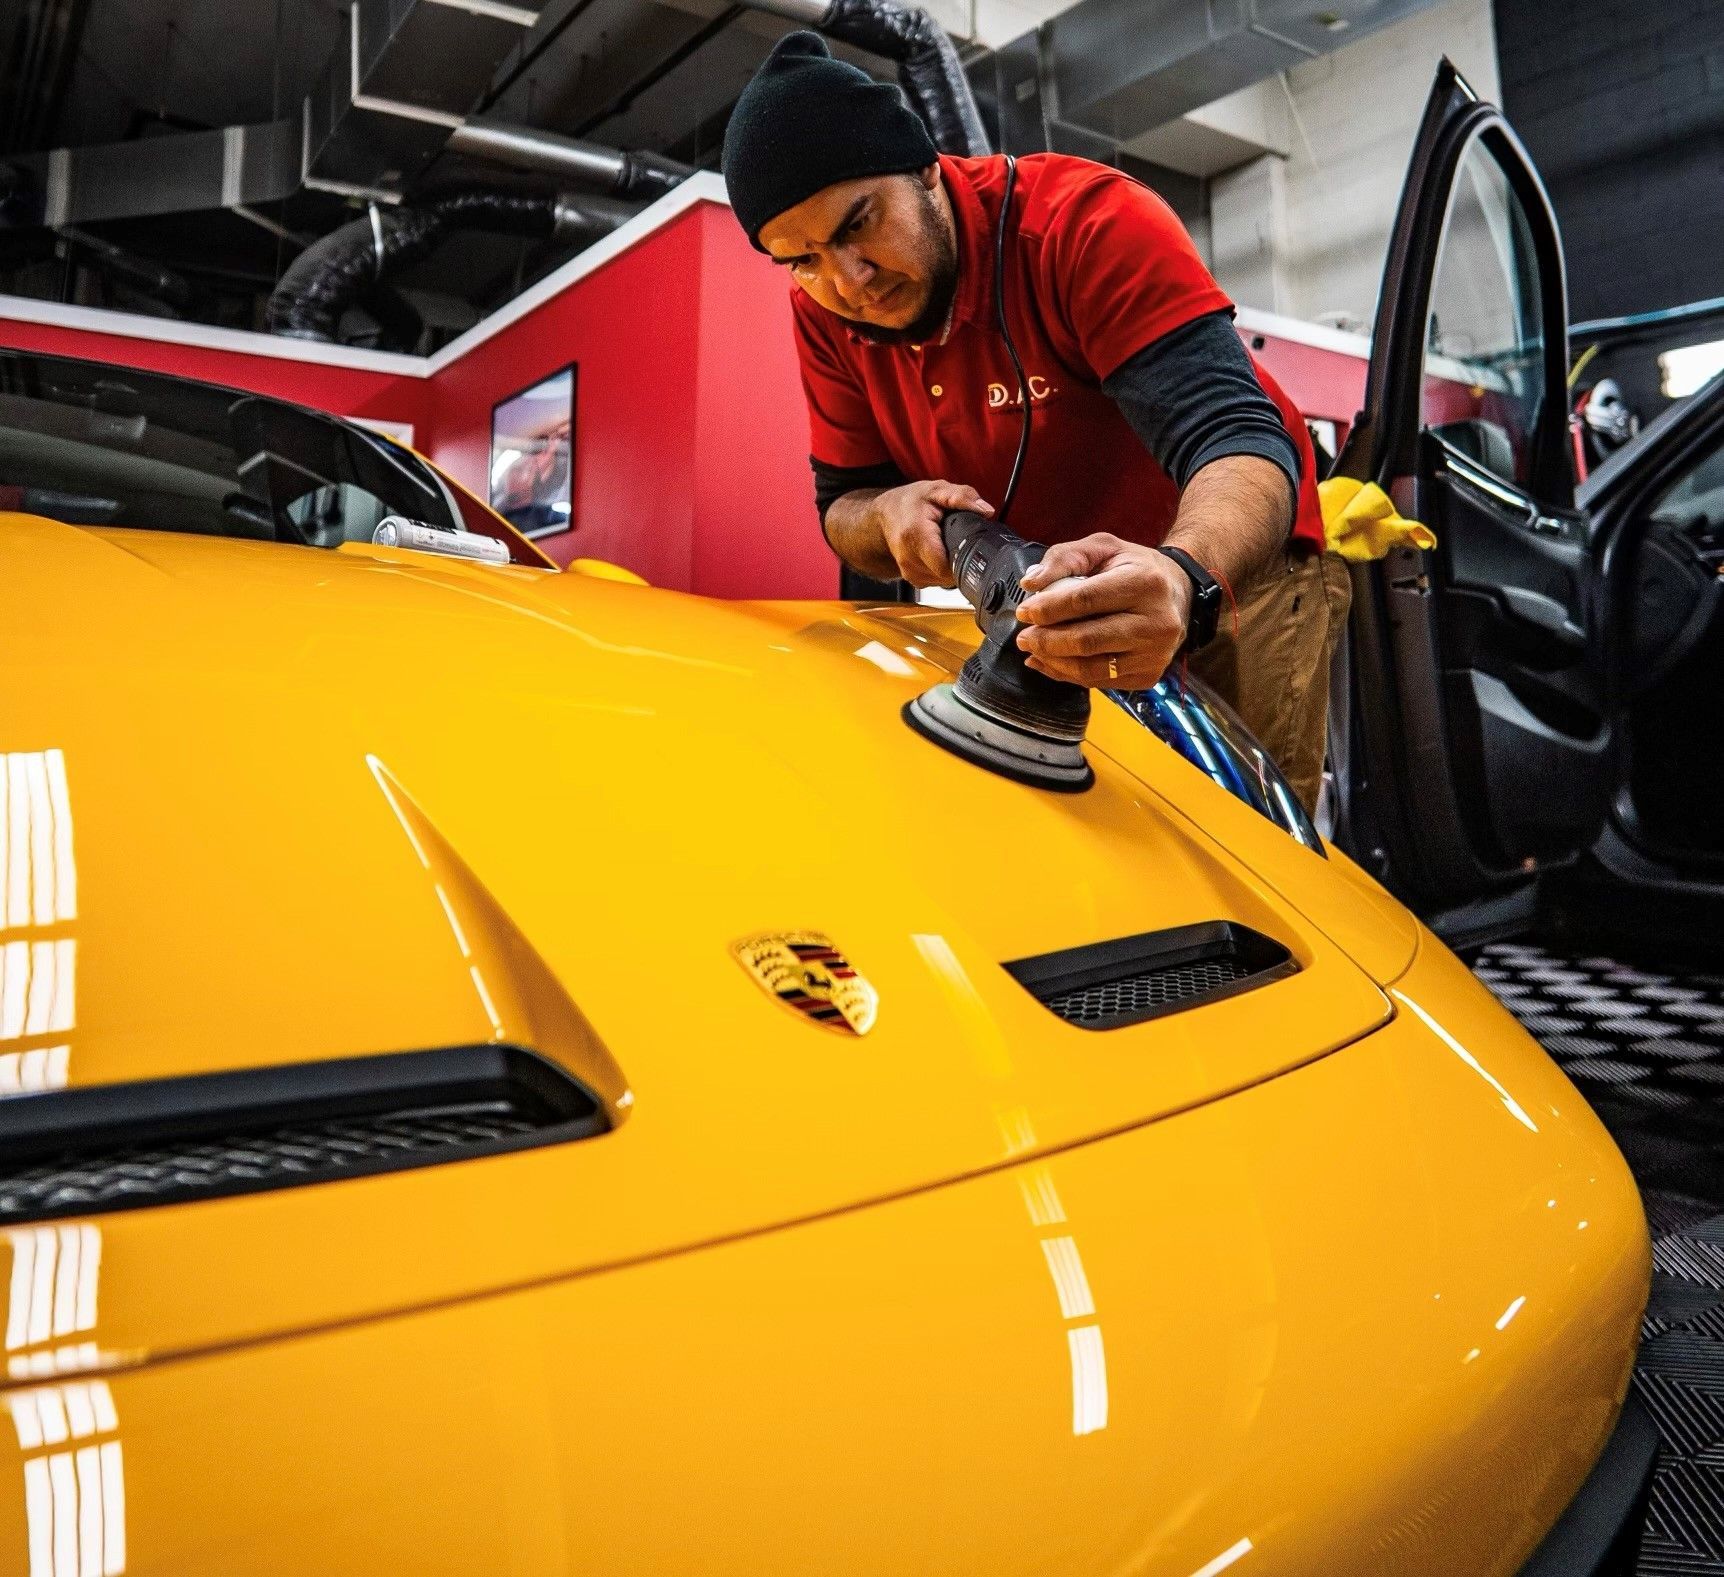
(1000,395)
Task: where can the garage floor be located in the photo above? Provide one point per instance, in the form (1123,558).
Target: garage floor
(1647,1049)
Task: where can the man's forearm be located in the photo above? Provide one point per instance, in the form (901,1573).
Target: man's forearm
(854,534)
(1234,515)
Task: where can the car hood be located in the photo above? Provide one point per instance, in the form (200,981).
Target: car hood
(299,805)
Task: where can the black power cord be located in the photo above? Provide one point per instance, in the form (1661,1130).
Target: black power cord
(1006,335)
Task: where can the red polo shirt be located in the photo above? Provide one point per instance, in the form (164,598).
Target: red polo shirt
(1097,267)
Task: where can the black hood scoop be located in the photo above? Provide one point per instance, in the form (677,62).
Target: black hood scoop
(166,1141)
(1108,985)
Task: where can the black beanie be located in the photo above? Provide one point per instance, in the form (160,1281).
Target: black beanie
(806,122)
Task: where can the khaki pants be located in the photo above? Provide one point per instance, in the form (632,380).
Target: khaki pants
(1275,674)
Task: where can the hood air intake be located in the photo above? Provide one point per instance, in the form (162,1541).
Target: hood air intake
(164,1141)
(1109,985)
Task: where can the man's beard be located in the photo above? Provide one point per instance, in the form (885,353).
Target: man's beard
(942,270)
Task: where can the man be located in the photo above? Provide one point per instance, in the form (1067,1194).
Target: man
(1162,460)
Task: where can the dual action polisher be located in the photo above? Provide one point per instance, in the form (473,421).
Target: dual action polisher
(999,713)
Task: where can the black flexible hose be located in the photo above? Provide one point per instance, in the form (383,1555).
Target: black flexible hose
(928,67)
(649,175)
(333,273)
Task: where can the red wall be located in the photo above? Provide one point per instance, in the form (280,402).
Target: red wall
(1323,383)
(691,440)
(633,328)
(752,427)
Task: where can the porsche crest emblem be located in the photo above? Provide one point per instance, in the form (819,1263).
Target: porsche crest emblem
(811,978)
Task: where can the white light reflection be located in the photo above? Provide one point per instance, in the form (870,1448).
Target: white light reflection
(1089,1380)
(38,988)
(1041,1198)
(1017,1129)
(74,1477)
(983,1035)
(38,887)
(74,1498)
(486,1001)
(1514,1107)
(1225,1559)
(1065,1265)
(30,1072)
(1077,1302)
(886,660)
(55,1271)
(38,875)
(454,923)
(1510,1312)
(490,1007)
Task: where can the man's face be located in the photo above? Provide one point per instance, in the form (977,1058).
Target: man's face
(878,251)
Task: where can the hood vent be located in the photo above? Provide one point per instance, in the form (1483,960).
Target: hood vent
(1108,985)
(125,1146)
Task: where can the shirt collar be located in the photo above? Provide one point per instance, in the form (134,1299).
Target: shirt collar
(970,216)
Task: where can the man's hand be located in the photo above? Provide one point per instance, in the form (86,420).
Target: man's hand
(1101,598)
(895,531)
(908,519)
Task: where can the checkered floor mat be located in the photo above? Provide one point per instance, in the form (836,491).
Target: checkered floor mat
(1647,1050)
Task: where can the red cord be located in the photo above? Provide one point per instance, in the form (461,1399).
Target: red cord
(1232,601)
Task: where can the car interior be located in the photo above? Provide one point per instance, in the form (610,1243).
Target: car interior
(82,444)
(1675,666)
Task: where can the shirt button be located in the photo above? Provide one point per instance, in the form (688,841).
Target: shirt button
(936,391)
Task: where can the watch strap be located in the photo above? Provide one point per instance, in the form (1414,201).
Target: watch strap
(1205,614)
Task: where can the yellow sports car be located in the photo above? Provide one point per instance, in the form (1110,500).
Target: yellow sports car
(516,1071)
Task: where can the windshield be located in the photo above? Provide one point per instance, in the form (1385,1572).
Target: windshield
(97,445)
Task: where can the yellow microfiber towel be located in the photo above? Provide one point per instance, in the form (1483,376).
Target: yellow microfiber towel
(1361,522)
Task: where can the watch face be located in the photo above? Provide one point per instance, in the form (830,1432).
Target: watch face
(1205,615)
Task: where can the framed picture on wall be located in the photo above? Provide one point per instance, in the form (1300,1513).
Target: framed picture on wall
(533,456)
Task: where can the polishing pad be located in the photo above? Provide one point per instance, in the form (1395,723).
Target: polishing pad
(1042,760)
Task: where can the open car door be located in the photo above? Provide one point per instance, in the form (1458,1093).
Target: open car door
(1476,750)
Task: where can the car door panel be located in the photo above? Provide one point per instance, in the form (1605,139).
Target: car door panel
(1480,655)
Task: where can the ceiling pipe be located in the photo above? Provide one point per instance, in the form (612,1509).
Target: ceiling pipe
(587,164)
(1108,70)
(407,73)
(929,70)
(340,269)
(241,167)
(185,172)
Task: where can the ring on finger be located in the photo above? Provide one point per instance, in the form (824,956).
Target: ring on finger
(1113,667)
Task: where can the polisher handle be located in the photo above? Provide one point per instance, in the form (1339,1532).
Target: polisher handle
(957,526)
(988,561)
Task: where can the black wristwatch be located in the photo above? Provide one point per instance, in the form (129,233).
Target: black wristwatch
(1205,600)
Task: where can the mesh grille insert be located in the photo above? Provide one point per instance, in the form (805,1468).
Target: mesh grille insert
(1112,984)
(119,1147)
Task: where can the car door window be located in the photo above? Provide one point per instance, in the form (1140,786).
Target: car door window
(1694,506)
(1484,371)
